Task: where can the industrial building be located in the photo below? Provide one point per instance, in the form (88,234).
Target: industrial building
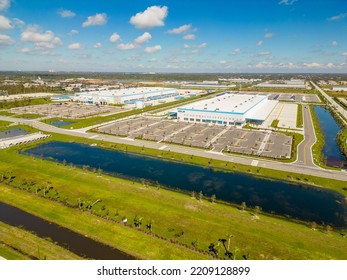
(293,83)
(126,95)
(228,109)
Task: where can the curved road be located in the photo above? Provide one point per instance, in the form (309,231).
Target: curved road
(305,147)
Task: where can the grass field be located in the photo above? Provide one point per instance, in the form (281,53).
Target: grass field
(178,220)
(299,118)
(16,243)
(274,123)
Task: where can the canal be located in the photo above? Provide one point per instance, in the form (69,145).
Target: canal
(302,202)
(72,241)
(330,128)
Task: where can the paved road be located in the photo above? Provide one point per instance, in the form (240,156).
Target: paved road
(305,147)
(289,167)
(332,102)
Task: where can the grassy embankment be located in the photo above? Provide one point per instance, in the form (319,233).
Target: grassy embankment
(299,118)
(4,124)
(23,102)
(19,244)
(182,225)
(274,123)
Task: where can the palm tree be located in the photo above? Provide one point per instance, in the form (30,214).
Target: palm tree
(149,225)
(200,196)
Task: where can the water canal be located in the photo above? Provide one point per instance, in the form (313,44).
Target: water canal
(330,128)
(74,242)
(283,198)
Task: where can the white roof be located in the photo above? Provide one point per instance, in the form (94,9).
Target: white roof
(261,112)
(229,102)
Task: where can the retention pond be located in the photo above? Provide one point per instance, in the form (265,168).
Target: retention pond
(74,242)
(330,128)
(302,202)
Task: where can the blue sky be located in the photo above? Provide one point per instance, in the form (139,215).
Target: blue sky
(174,35)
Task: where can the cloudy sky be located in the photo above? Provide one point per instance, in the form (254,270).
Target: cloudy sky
(174,35)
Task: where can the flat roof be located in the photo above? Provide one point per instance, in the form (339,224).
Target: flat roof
(126,92)
(226,103)
(261,112)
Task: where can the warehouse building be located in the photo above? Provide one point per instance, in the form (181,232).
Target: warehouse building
(126,95)
(228,109)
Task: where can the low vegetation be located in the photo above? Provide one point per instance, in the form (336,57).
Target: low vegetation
(23,102)
(274,123)
(17,243)
(165,224)
(299,118)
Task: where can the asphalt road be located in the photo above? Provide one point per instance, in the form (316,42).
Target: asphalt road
(305,147)
(289,167)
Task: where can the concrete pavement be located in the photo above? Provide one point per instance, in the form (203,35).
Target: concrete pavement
(305,147)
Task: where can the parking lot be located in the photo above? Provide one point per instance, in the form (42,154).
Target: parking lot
(66,110)
(305,98)
(216,138)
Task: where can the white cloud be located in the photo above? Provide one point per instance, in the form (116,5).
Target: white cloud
(5,23)
(264,64)
(180,30)
(73,32)
(223,62)
(338,17)
(76,46)
(201,46)
(97,45)
(330,65)
(344,54)
(287,2)
(263,53)
(114,38)
(334,43)
(137,43)
(189,37)
(4,4)
(25,50)
(17,22)
(260,43)
(66,13)
(153,49)
(41,40)
(153,16)
(236,51)
(268,35)
(98,19)
(144,38)
(127,47)
(6,40)
(313,65)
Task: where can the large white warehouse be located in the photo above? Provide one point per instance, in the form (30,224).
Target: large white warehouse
(125,96)
(228,109)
